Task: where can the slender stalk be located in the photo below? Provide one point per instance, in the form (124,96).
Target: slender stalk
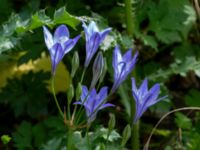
(129,17)
(69,139)
(135,136)
(68,111)
(55,98)
(75,108)
(87,136)
(163,117)
(135,143)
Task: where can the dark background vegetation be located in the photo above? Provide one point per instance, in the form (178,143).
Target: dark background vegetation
(166,34)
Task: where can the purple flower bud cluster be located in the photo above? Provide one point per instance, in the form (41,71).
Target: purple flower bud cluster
(60,44)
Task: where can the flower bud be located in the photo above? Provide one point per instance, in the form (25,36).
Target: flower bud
(111,123)
(75,64)
(103,71)
(70,93)
(97,69)
(102,147)
(126,135)
(78,91)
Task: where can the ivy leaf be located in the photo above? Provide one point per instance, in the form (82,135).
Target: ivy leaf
(61,16)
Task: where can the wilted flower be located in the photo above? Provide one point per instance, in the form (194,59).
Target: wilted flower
(97,69)
(93,39)
(93,101)
(144,98)
(58,44)
(122,65)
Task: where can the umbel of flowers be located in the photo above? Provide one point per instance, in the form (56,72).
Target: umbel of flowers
(93,101)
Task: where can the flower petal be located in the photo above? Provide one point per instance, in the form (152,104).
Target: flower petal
(128,55)
(84,93)
(57,48)
(102,94)
(68,45)
(48,38)
(61,31)
(92,27)
(91,47)
(143,90)
(104,33)
(117,57)
(106,105)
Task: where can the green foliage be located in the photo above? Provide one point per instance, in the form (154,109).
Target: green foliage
(5,139)
(28,94)
(183,121)
(192,98)
(166,34)
(50,131)
(62,16)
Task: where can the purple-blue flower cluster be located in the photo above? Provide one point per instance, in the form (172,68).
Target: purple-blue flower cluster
(60,44)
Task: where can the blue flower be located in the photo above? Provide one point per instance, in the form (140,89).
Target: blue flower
(144,98)
(122,65)
(93,39)
(93,101)
(58,44)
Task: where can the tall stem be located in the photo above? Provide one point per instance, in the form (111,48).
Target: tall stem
(129,17)
(55,98)
(70,145)
(135,143)
(135,136)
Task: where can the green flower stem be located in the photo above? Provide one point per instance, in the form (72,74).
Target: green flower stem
(88,138)
(54,95)
(75,108)
(70,145)
(129,17)
(135,136)
(68,111)
(130,28)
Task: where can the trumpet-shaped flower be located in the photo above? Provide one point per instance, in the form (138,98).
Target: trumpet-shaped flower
(93,101)
(144,98)
(93,39)
(122,65)
(58,44)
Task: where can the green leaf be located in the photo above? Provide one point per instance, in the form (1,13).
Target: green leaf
(126,135)
(28,94)
(191,18)
(23,136)
(183,121)
(150,41)
(39,19)
(53,144)
(5,139)
(112,136)
(192,98)
(61,16)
